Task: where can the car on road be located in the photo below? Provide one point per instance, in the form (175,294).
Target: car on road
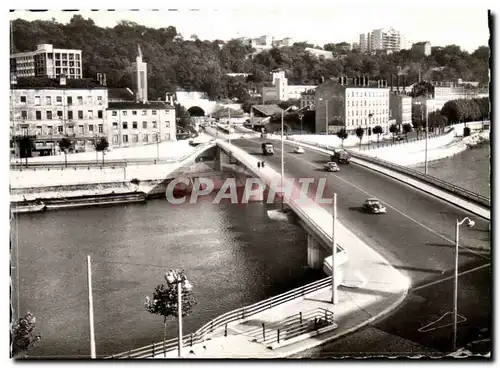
(331,166)
(373,205)
(298,149)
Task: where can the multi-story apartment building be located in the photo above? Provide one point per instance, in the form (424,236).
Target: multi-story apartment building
(400,106)
(48,114)
(388,40)
(351,103)
(47,61)
(132,123)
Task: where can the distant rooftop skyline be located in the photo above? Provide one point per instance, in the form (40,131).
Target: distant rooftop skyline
(343,21)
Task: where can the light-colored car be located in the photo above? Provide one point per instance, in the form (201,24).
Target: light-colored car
(332,166)
(373,205)
(298,149)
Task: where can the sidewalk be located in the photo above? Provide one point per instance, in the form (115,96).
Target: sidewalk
(369,288)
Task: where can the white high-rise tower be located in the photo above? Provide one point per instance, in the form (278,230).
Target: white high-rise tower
(140,74)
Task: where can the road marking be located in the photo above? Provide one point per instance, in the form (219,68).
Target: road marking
(395,209)
(426,328)
(450,277)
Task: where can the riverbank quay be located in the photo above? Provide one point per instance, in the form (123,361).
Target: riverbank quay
(163,151)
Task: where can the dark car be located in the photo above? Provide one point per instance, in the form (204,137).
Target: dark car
(373,205)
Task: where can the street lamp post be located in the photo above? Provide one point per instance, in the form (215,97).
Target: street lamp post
(175,278)
(469,223)
(426,138)
(282,151)
(334,250)
(300,117)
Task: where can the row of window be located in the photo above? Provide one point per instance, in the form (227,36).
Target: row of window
(144,125)
(364,113)
(134,112)
(369,103)
(365,94)
(375,120)
(135,138)
(59,100)
(49,114)
(60,129)
(65,63)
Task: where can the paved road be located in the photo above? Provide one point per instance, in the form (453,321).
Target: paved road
(398,335)
(417,233)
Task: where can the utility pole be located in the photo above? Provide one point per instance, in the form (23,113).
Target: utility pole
(334,250)
(91,310)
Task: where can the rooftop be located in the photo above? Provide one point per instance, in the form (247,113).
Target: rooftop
(50,83)
(156,105)
(267,110)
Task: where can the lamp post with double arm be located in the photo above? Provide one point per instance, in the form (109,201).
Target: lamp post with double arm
(292,107)
(179,279)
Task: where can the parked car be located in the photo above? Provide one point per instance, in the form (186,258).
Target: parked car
(298,149)
(373,205)
(331,166)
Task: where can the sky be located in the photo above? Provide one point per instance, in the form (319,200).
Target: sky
(318,22)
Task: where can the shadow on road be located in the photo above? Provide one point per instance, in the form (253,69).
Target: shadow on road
(418,269)
(357,209)
(462,250)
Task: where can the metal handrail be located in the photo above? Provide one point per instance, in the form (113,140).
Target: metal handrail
(225,319)
(485,201)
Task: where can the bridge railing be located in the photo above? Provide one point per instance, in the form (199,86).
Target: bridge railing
(209,328)
(459,191)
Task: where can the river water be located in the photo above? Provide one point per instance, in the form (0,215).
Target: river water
(233,255)
(469,169)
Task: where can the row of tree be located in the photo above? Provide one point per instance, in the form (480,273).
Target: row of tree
(26,145)
(193,64)
(466,110)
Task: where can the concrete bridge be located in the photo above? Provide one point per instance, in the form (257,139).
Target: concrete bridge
(314,219)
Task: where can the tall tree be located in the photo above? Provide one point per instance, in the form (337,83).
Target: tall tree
(65,145)
(360,132)
(165,301)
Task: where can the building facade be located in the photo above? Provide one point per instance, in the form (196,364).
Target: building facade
(400,107)
(424,48)
(132,124)
(388,40)
(307,98)
(351,103)
(50,114)
(47,61)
